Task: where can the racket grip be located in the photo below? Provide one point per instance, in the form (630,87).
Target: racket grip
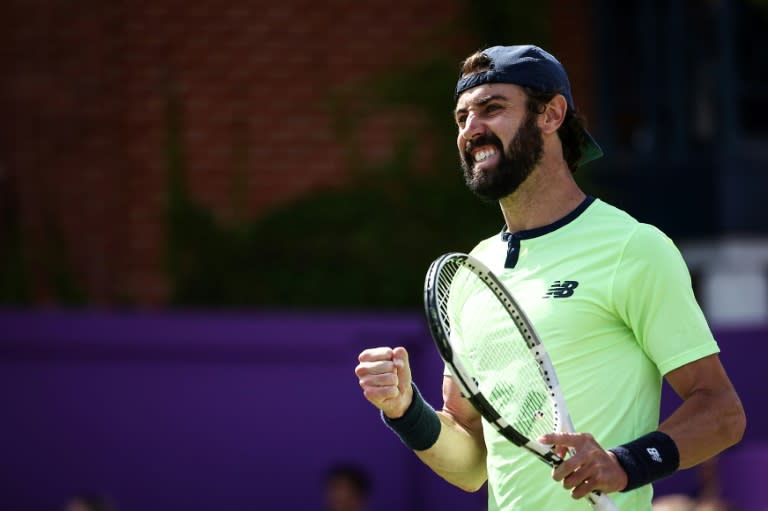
(601,502)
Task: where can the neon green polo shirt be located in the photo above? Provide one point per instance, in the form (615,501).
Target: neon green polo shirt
(612,301)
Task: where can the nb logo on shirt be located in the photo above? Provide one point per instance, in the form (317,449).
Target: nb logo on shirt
(561,289)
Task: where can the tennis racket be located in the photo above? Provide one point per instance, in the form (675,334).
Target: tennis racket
(496,356)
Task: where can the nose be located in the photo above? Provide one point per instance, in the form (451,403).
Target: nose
(472,127)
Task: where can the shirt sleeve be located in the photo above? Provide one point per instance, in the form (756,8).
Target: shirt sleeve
(654,296)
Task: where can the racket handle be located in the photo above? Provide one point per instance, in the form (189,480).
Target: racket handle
(601,502)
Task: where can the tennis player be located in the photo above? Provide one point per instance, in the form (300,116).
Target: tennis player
(610,297)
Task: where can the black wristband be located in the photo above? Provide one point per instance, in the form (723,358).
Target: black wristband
(647,459)
(419,427)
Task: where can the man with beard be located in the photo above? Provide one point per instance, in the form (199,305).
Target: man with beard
(611,298)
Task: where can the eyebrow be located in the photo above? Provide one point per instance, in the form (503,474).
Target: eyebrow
(480,102)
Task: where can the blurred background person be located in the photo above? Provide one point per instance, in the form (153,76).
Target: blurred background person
(674,503)
(347,488)
(89,502)
(707,497)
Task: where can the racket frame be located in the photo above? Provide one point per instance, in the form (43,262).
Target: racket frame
(441,335)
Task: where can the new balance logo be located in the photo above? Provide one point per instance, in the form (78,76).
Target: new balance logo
(561,289)
(655,456)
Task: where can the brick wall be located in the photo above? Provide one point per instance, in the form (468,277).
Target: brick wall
(572,41)
(83,137)
(61,141)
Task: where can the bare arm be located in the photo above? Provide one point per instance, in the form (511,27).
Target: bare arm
(458,455)
(709,420)
(711,417)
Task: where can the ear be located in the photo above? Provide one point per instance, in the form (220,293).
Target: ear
(554,114)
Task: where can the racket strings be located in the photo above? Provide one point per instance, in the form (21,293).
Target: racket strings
(490,344)
(445,281)
(519,392)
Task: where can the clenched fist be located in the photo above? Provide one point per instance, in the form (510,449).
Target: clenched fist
(385,377)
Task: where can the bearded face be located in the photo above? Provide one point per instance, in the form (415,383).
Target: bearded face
(514,165)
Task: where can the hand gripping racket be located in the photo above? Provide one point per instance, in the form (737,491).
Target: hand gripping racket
(496,357)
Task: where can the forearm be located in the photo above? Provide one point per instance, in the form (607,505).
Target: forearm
(709,420)
(458,456)
(705,424)
(449,441)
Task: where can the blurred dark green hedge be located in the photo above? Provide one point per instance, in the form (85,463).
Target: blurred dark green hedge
(369,243)
(364,245)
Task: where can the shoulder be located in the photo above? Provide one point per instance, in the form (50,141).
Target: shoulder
(650,259)
(649,243)
(608,216)
(639,239)
(489,245)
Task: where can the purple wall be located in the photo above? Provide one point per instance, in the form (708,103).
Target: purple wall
(244,411)
(200,412)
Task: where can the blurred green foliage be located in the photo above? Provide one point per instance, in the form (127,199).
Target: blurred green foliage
(364,245)
(14,282)
(50,258)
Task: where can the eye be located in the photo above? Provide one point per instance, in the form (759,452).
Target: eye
(461,120)
(493,107)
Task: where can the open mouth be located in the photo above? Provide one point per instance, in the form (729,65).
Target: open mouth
(480,155)
(483,154)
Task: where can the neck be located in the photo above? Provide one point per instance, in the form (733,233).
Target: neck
(548,194)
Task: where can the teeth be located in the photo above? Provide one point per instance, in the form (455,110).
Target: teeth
(484,155)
